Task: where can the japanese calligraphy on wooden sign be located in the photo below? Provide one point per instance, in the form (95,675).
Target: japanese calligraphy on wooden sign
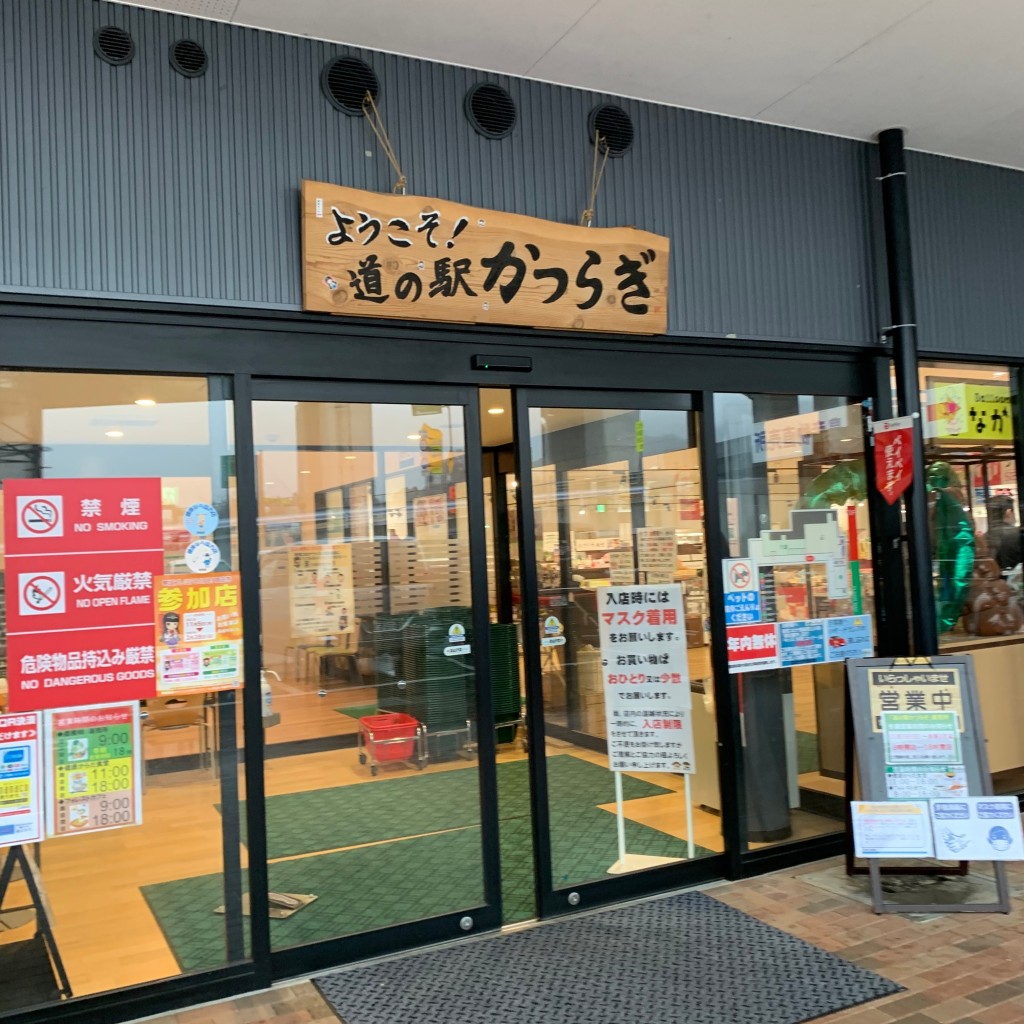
(415,258)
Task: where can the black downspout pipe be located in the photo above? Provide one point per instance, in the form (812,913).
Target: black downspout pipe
(903,331)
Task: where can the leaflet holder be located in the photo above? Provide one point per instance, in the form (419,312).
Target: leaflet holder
(946,681)
(17,857)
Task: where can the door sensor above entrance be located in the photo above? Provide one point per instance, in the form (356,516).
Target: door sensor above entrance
(522,364)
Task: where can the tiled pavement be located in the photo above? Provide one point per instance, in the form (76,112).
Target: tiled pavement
(957,968)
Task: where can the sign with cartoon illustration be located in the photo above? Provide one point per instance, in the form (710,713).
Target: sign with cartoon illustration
(198,633)
(418,258)
(978,828)
(201,519)
(968,411)
(202,556)
(457,641)
(554,632)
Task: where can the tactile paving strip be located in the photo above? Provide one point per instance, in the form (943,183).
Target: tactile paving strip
(685,959)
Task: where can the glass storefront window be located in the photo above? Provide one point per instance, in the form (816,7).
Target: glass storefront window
(974,518)
(974,522)
(799,597)
(131,862)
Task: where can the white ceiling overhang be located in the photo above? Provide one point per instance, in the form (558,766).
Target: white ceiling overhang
(949,71)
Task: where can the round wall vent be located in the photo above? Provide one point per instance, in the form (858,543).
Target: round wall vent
(346,81)
(188,58)
(614,126)
(491,111)
(113,45)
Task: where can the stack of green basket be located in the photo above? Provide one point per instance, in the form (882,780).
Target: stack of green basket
(505,678)
(389,633)
(440,686)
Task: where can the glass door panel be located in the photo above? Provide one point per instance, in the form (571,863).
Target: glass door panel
(373,790)
(612,500)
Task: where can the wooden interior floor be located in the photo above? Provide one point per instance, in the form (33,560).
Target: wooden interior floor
(107,934)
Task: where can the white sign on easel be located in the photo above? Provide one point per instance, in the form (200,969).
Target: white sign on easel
(978,828)
(647,696)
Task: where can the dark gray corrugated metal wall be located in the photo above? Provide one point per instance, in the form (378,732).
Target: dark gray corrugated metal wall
(136,182)
(967,221)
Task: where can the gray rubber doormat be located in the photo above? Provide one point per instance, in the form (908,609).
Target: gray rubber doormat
(686,959)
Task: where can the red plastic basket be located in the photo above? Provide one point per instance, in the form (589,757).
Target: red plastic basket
(381,731)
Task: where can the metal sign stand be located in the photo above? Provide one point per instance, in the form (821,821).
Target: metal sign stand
(16,856)
(863,742)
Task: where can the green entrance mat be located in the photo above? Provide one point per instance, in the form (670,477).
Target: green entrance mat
(401,881)
(414,805)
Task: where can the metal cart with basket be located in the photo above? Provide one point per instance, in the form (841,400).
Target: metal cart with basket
(391,737)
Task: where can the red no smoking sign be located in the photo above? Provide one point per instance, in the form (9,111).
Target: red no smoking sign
(81,556)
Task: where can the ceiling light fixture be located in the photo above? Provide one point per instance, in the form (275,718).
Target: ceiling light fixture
(145,401)
(413,437)
(113,433)
(351,458)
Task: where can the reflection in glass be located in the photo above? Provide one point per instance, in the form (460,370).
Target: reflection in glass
(974,518)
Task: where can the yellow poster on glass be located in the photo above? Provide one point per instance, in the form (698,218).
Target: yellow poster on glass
(969,412)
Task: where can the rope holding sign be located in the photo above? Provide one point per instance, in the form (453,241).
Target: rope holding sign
(596,174)
(377,124)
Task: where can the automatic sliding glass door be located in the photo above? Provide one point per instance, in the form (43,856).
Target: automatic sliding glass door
(374,642)
(616,643)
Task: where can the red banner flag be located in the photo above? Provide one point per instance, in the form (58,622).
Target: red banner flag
(894,456)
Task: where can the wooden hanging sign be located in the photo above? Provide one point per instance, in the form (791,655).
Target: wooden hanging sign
(414,258)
